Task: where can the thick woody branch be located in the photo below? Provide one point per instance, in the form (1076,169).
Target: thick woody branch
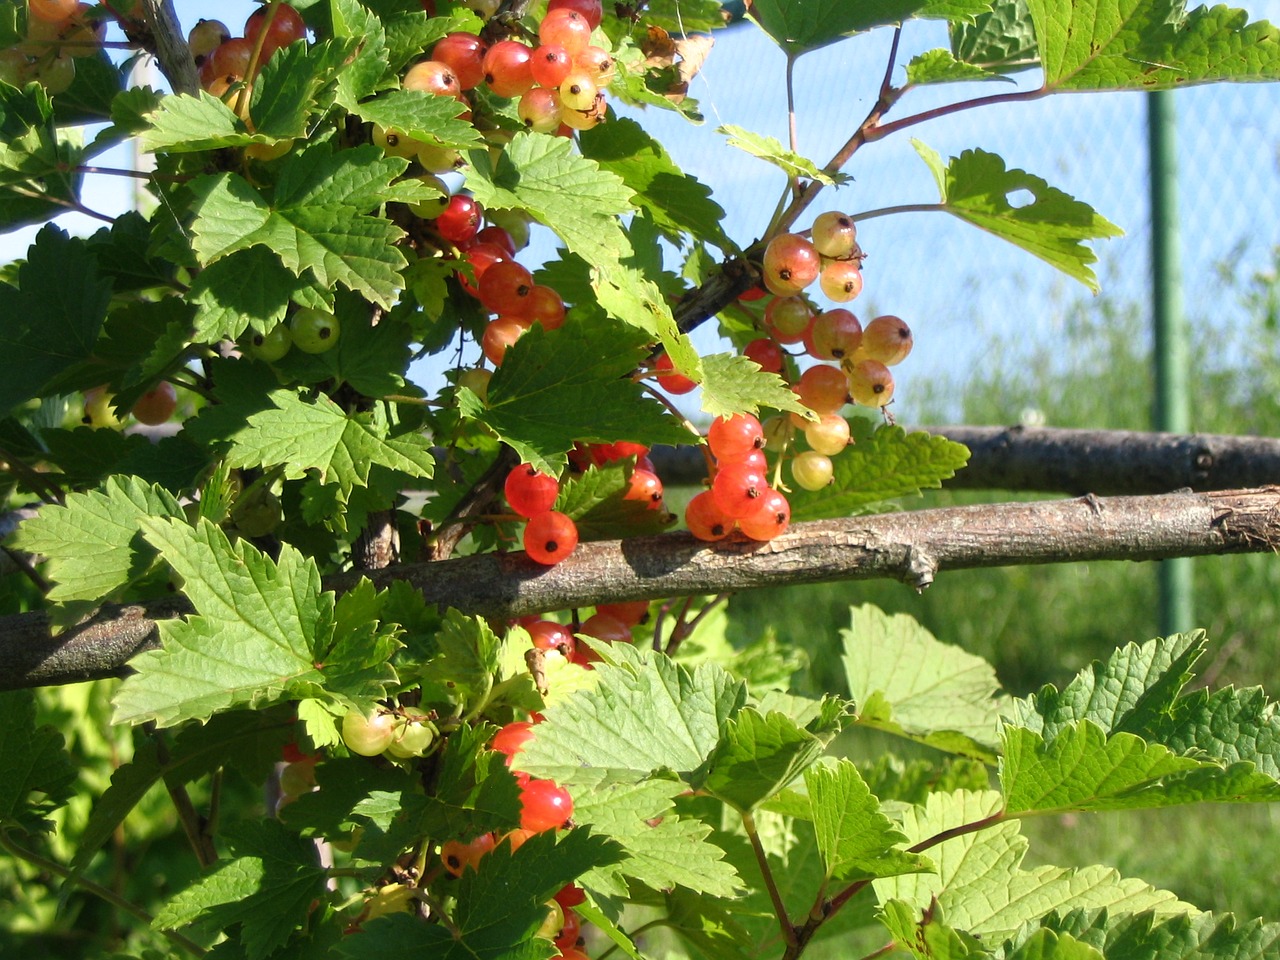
(1052,460)
(172,52)
(912,547)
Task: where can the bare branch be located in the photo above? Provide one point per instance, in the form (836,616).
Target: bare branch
(905,546)
(1053,460)
(171,47)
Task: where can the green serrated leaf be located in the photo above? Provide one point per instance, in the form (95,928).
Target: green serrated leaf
(1231,725)
(1134,691)
(257,627)
(771,150)
(427,117)
(645,713)
(1083,769)
(477,792)
(926,934)
(184,123)
(93,541)
(267,889)
(572,195)
(941,66)
(678,204)
(1150,45)
(567,385)
(1002,39)
(52,319)
(981,885)
(318,220)
(905,681)
(977,188)
(304,433)
(856,840)
(594,500)
(800,27)
(41,777)
(890,463)
(249,289)
(733,384)
(759,754)
(663,850)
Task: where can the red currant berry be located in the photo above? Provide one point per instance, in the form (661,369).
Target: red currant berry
(705,519)
(834,235)
(603,626)
(644,487)
(823,389)
(770,520)
(157,405)
(841,280)
(737,489)
(591,10)
(544,806)
(565,28)
(457,856)
(787,319)
(630,612)
(550,65)
(432,76)
(835,335)
(549,635)
(870,383)
(460,220)
(505,288)
(507,69)
(734,437)
(766,353)
(790,264)
(530,492)
(499,334)
(886,339)
(286,27)
(669,381)
(550,537)
(511,739)
(464,53)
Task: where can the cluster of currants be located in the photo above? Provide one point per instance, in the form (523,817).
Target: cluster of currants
(740,496)
(58,33)
(226,62)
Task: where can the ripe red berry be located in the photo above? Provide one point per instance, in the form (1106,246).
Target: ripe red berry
(732,438)
(464,52)
(550,537)
(549,635)
(157,405)
(544,806)
(529,491)
(433,76)
(565,28)
(550,64)
(766,353)
(646,487)
(705,519)
(511,739)
(460,220)
(499,334)
(592,10)
(770,519)
(631,612)
(737,489)
(505,288)
(603,626)
(507,69)
(669,381)
(790,264)
(286,27)
(457,856)
(835,334)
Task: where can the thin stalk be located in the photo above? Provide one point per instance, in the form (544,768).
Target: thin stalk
(888,96)
(110,896)
(242,99)
(681,629)
(880,131)
(135,174)
(899,208)
(643,928)
(779,908)
(75,205)
(792,133)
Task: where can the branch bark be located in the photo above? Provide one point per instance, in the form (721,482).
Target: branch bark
(911,547)
(1075,462)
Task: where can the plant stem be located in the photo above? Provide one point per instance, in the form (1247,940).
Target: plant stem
(644,927)
(899,208)
(792,133)
(110,896)
(242,99)
(880,131)
(779,908)
(888,96)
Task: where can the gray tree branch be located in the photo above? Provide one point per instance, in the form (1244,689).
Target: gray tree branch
(912,547)
(1075,462)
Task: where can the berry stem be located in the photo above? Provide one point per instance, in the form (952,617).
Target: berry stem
(137,174)
(792,132)
(779,908)
(899,208)
(879,131)
(242,99)
(110,896)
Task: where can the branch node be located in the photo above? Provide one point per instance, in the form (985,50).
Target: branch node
(920,570)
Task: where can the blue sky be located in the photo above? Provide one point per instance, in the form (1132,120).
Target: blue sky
(955,285)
